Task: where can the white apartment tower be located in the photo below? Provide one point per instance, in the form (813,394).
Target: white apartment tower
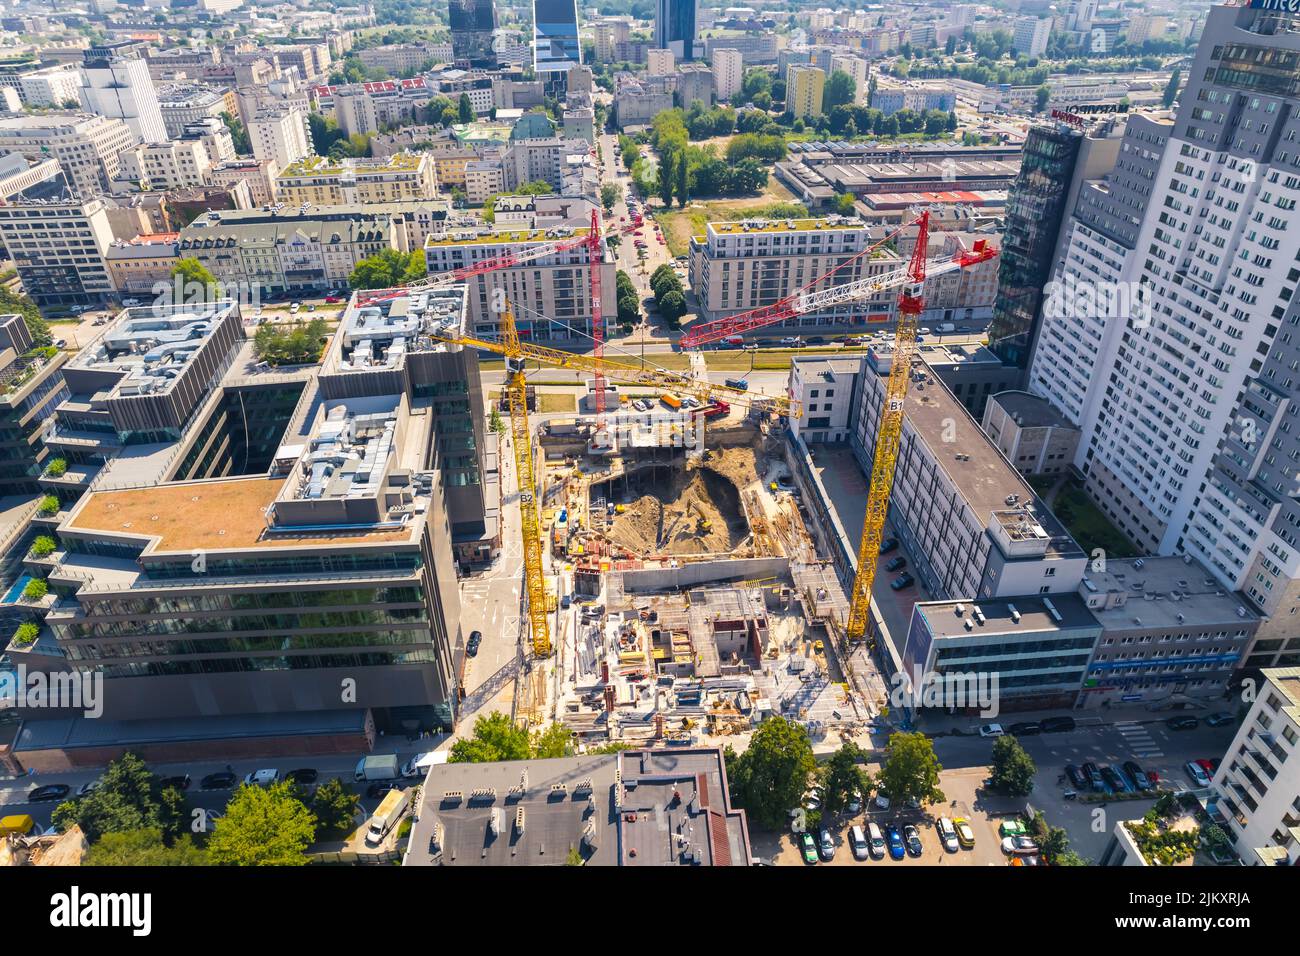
(728,73)
(279,134)
(1030,38)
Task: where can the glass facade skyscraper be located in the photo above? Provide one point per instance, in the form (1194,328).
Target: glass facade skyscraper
(556,48)
(675,28)
(1035,211)
(473,23)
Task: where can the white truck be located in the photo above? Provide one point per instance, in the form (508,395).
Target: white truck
(378,767)
(418,766)
(946,327)
(390,810)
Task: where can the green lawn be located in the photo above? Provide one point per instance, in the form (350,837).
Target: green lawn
(1089,526)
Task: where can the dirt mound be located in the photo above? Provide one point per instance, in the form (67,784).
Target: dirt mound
(697,513)
(738,465)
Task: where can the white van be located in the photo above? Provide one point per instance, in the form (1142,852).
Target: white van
(877,840)
(418,766)
(262,778)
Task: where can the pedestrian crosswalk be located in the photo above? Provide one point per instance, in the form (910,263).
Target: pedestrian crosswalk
(1140,741)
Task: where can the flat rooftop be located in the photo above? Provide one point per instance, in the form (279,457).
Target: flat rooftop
(489,238)
(1031,411)
(758,226)
(666,807)
(379,328)
(1162,590)
(149,346)
(1055,612)
(1287,681)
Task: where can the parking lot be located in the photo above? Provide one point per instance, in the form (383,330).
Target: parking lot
(961,788)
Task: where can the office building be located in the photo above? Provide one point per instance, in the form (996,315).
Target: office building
(660,62)
(824,389)
(728,73)
(551,295)
(140,266)
(610,34)
(694,84)
(1194,437)
(117,85)
(473,23)
(1032,434)
(31,385)
(1255,788)
(58,245)
(633,808)
(87,147)
(803,91)
(1031,36)
(280,135)
(970,523)
(180,164)
(1038,646)
(556,47)
(1170,633)
(675,27)
(57,87)
(184,104)
(889,98)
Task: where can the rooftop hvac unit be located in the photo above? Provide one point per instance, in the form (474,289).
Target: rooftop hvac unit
(961,609)
(519,822)
(1015,615)
(969,624)
(494,821)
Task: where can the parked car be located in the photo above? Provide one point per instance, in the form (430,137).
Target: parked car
(965,833)
(947,834)
(1115,780)
(855,803)
(889,544)
(472,645)
(813,800)
(882,801)
(380,789)
(1221,719)
(1182,723)
(1077,778)
(262,778)
(49,792)
(181,782)
(1139,777)
(826,845)
(912,837)
(902,581)
(992,730)
(1196,773)
(1093,773)
(1026,728)
(896,563)
(88,788)
(1056,725)
(1209,766)
(877,840)
(858,843)
(332,300)
(808,846)
(1018,844)
(895,838)
(221,780)
(304,777)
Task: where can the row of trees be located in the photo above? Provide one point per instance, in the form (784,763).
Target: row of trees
(686,170)
(301,343)
(629,301)
(131,819)
(670,296)
(388,269)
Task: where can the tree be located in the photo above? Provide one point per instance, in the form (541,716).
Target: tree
(1041,96)
(144,847)
(1171,89)
(263,826)
(772,775)
(1056,843)
(1013,768)
(844,204)
(299,344)
(197,283)
(495,423)
(666,179)
(683,189)
(844,778)
(839,91)
(334,806)
(465,109)
(238,134)
(325,133)
(950,45)
(911,769)
(555,741)
(495,738)
(129,797)
(609,194)
(388,269)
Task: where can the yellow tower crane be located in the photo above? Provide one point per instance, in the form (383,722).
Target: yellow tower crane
(529,520)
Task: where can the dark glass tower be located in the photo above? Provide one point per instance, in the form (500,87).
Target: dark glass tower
(1035,211)
(472,25)
(555,36)
(675,27)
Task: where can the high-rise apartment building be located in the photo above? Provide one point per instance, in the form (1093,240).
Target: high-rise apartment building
(1193,443)
(280,135)
(675,27)
(473,23)
(88,148)
(58,246)
(1031,35)
(728,73)
(803,91)
(859,70)
(118,85)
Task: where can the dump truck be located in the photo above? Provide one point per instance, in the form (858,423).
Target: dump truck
(19,823)
(378,767)
(390,810)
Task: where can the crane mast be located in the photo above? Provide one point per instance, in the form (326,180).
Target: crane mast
(529,519)
(889,433)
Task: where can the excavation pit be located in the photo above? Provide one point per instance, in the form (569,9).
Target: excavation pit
(667,510)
